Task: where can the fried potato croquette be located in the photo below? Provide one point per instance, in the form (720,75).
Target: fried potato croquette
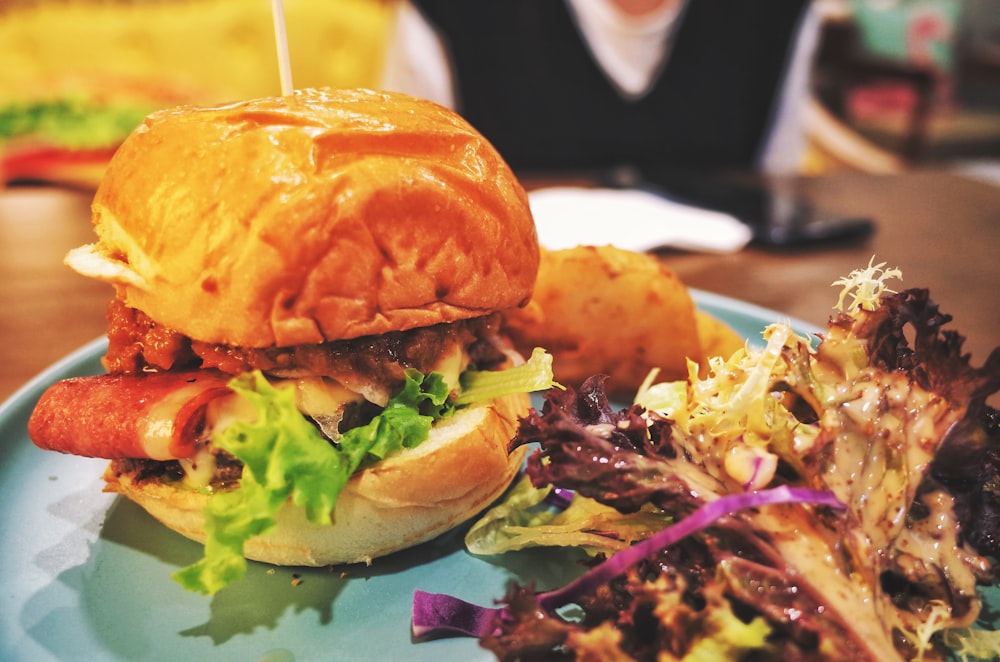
(605,310)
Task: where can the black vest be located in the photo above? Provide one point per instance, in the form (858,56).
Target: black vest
(525,78)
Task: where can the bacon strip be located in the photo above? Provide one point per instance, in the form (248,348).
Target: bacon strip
(157,416)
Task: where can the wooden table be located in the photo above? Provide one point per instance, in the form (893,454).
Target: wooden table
(941,230)
(46,309)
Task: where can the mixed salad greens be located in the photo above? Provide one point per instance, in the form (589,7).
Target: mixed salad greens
(796,501)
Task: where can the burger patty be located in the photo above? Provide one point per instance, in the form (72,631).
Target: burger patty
(226,473)
(138,344)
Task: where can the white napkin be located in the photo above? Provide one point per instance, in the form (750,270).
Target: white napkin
(631,219)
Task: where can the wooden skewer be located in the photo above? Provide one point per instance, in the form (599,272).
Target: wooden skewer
(281,43)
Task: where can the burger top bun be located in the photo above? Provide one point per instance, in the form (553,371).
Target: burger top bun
(324,215)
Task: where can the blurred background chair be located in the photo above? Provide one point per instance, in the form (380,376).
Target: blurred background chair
(917,79)
(843,67)
(834,146)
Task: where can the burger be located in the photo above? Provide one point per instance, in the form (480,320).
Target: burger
(305,362)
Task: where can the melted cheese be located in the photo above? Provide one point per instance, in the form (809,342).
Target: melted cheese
(156,431)
(199,468)
(319,398)
(451,365)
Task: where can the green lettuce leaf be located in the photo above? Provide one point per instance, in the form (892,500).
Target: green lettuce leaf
(285,457)
(523,519)
(535,374)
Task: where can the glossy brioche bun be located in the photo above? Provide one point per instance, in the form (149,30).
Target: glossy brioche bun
(403,500)
(325,215)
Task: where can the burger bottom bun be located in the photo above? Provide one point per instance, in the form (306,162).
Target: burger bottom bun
(408,498)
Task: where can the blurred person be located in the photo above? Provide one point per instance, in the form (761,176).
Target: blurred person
(571,84)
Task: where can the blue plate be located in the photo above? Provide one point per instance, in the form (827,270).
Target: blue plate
(85,575)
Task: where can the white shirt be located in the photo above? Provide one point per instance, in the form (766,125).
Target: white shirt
(630,50)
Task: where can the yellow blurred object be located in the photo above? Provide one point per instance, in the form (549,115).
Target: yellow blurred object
(202,51)
(78,75)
